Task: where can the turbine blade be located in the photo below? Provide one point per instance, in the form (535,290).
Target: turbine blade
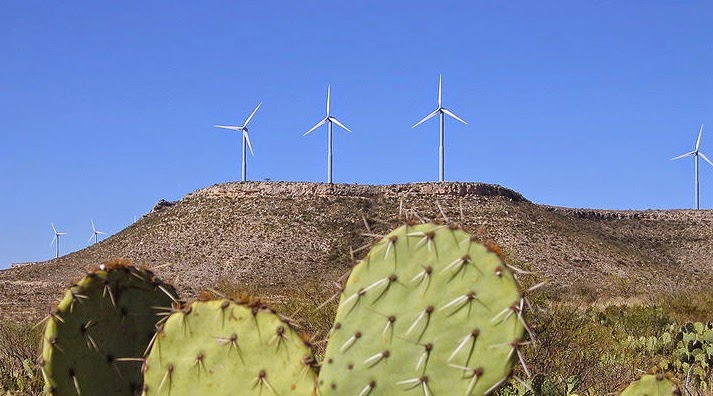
(705,158)
(94,229)
(101,232)
(329,95)
(247,140)
(53,228)
(428,117)
(336,121)
(440,90)
(684,155)
(251,115)
(319,124)
(454,116)
(698,141)
(232,128)
(90,238)
(53,239)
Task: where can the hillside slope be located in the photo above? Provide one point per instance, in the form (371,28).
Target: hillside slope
(274,237)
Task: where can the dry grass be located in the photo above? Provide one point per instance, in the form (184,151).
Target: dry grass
(19,347)
(289,242)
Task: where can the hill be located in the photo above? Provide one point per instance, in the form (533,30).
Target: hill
(273,238)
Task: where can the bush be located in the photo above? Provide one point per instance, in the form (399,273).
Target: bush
(19,347)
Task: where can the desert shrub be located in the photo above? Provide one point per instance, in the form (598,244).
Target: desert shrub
(590,350)
(570,342)
(636,321)
(684,306)
(539,385)
(19,347)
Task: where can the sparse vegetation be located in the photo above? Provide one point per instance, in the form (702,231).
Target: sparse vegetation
(19,347)
(620,283)
(580,348)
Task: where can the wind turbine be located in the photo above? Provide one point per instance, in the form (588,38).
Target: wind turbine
(95,233)
(696,153)
(245,140)
(57,234)
(329,120)
(442,112)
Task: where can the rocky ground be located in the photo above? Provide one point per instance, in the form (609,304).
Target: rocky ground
(274,237)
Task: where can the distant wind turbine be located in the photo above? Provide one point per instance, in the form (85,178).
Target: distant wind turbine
(442,111)
(329,120)
(696,153)
(245,140)
(95,233)
(57,234)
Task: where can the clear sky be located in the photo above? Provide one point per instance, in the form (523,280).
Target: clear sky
(107,107)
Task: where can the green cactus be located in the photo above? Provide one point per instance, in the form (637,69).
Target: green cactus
(222,347)
(430,310)
(658,384)
(692,356)
(93,342)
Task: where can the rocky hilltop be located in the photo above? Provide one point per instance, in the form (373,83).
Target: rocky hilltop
(273,237)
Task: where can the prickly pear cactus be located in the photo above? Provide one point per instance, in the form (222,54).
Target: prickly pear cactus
(221,347)
(658,384)
(429,310)
(95,339)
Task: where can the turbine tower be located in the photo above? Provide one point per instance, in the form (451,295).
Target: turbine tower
(329,120)
(95,233)
(696,153)
(442,112)
(57,234)
(245,141)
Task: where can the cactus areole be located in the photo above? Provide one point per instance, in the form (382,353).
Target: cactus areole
(429,310)
(222,347)
(654,384)
(94,341)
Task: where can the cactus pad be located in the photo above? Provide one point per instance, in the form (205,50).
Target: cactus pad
(93,342)
(658,384)
(429,311)
(221,347)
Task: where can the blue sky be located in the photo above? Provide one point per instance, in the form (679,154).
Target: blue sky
(107,107)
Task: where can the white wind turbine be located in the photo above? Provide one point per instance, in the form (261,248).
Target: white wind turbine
(245,140)
(95,233)
(329,120)
(696,153)
(442,111)
(57,234)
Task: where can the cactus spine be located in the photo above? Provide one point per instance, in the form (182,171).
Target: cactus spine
(429,310)
(222,347)
(93,342)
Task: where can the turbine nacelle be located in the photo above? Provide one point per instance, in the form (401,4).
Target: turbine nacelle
(328,119)
(57,234)
(243,129)
(696,153)
(442,111)
(95,233)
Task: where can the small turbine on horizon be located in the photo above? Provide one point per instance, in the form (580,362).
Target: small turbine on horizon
(329,120)
(57,234)
(95,233)
(696,153)
(442,111)
(245,141)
